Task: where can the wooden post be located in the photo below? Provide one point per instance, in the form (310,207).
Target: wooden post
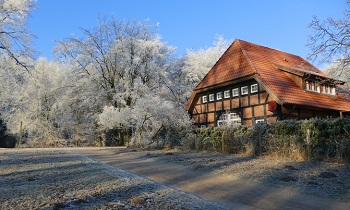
(20,135)
(223,141)
(308,144)
(341,114)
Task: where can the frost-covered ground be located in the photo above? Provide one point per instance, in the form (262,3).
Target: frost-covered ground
(57,179)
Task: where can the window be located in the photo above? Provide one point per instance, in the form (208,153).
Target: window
(229,119)
(333,90)
(219,96)
(328,89)
(311,86)
(235,92)
(254,88)
(203,126)
(205,99)
(211,97)
(259,121)
(325,88)
(318,88)
(233,116)
(226,94)
(244,90)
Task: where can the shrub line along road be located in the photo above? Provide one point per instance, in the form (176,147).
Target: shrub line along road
(225,190)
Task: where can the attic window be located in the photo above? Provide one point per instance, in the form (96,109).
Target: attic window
(328,89)
(227,94)
(211,97)
(254,88)
(235,92)
(244,90)
(320,88)
(312,86)
(205,99)
(219,96)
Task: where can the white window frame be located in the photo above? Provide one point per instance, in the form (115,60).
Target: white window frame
(235,92)
(218,95)
(233,116)
(227,94)
(254,88)
(328,89)
(325,88)
(244,90)
(259,121)
(211,97)
(204,99)
(229,119)
(333,90)
(318,88)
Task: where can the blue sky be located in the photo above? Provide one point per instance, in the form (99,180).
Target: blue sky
(190,24)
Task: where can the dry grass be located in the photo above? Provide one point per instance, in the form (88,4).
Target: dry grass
(56,179)
(272,170)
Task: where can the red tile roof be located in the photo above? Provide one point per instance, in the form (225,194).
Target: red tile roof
(269,66)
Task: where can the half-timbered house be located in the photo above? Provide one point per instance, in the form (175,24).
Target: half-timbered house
(252,84)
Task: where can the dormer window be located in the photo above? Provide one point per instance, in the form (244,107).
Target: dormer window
(328,89)
(319,88)
(312,86)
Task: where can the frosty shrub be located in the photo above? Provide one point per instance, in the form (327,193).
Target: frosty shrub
(222,139)
(283,139)
(314,139)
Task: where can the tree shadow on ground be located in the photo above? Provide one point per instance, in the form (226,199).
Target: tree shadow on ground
(288,185)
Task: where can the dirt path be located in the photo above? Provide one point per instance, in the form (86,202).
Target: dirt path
(228,191)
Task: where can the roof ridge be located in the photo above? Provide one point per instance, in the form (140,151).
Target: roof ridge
(259,45)
(247,57)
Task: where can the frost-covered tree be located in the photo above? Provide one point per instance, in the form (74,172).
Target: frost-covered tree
(338,71)
(194,66)
(127,59)
(198,63)
(14,37)
(125,63)
(150,118)
(330,42)
(34,101)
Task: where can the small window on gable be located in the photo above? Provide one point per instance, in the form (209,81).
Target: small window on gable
(244,90)
(219,96)
(254,88)
(204,99)
(211,97)
(226,94)
(235,92)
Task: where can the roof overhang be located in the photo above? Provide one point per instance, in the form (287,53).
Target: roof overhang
(305,74)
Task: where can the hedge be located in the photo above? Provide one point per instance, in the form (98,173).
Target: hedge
(314,139)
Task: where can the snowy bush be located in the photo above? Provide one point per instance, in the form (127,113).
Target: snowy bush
(317,139)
